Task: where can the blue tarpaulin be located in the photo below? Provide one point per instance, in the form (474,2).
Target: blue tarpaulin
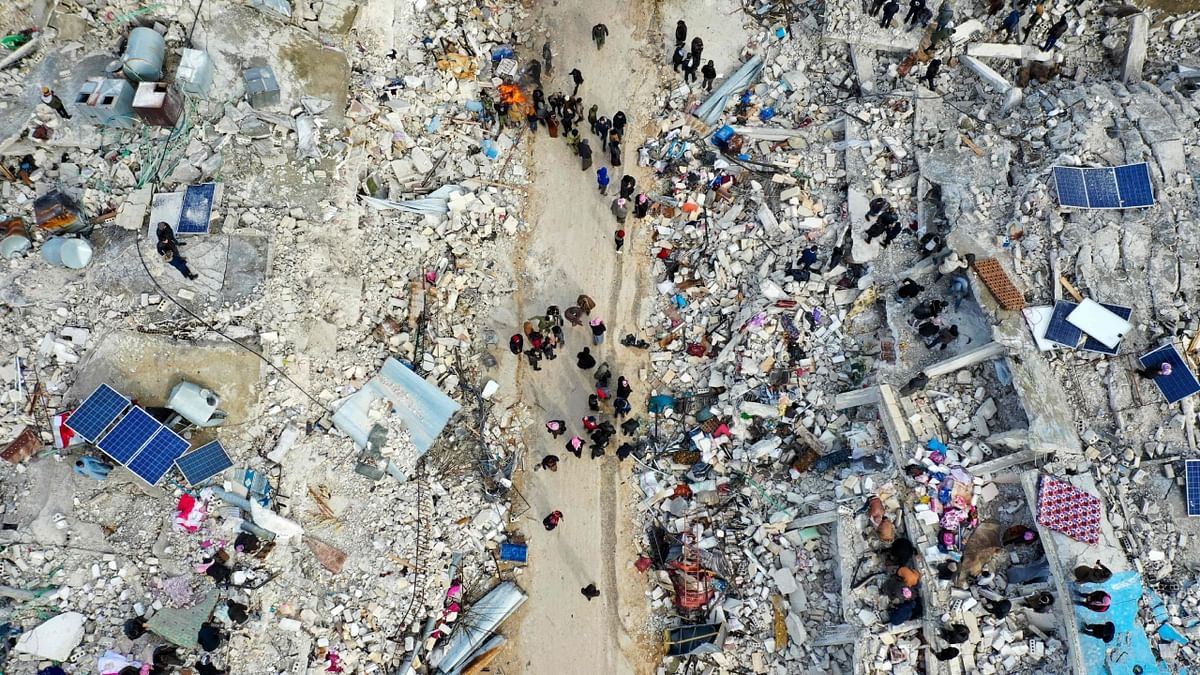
(421,406)
(710,111)
(1130,647)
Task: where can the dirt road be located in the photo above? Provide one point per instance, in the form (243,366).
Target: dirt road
(570,251)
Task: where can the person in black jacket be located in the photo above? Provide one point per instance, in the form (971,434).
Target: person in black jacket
(710,74)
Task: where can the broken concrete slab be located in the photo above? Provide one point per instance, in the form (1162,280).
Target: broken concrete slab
(53,639)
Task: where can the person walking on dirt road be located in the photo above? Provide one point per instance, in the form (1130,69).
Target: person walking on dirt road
(577,78)
(598,330)
(620,209)
(599,32)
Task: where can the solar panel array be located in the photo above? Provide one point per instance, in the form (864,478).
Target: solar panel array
(129,435)
(1121,187)
(156,458)
(196,213)
(1181,383)
(1059,329)
(138,441)
(96,412)
(1091,344)
(203,463)
(1192,483)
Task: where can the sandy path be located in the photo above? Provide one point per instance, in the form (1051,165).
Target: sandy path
(570,251)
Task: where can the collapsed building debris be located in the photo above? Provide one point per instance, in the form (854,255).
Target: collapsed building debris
(856,459)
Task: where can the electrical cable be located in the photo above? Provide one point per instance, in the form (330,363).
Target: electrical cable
(218,331)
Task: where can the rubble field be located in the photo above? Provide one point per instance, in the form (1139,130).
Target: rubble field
(892,359)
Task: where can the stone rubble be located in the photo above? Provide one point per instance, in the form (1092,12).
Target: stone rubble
(757,475)
(758,471)
(344,286)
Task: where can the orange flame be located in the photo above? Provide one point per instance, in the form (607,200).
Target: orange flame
(511,94)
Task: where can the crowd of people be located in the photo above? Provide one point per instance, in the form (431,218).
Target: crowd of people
(919,15)
(608,402)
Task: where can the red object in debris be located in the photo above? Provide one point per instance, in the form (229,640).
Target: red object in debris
(63,435)
(695,349)
(431,276)
(663,253)
(721,430)
(683,490)
(643,563)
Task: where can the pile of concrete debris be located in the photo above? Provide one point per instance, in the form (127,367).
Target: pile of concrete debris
(348,244)
(782,532)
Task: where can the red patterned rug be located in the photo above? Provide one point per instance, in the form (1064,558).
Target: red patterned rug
(1065,508)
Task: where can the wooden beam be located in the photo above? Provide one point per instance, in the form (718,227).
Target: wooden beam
(1070,289)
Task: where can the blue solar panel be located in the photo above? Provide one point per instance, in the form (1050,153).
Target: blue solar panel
(1133,183)
(1068,181)
(156,458)
(1101,188)
(1181,383)
(1191,473)
(203,463)
(1122,187)
(129,435)
(1059,330)
(98,411)
(1091,344)
(196,213)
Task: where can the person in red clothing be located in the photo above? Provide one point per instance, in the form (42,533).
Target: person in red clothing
(1097,601)
(551,521)
(590,423)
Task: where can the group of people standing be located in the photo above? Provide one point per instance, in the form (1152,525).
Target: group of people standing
(602,401)
(919,15)
(689,59)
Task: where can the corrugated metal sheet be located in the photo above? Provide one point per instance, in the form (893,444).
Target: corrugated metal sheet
(421,406)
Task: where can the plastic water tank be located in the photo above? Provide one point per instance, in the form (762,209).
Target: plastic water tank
(76,253)
(14,245)
(52,250)
(143,59)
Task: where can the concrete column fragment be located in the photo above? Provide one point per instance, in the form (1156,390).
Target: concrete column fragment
(1013,95)
(1135,48)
